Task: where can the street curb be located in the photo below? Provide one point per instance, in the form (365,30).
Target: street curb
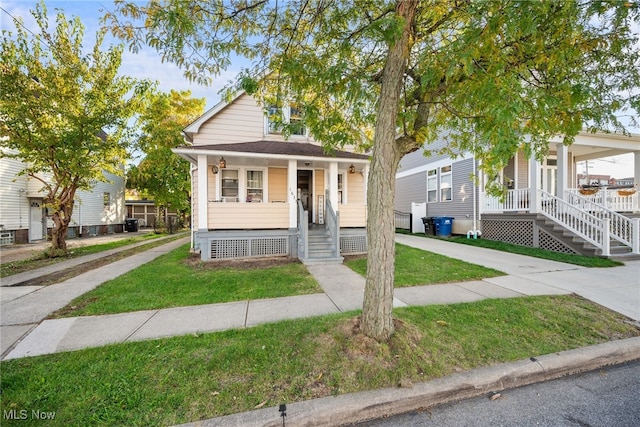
(367,405)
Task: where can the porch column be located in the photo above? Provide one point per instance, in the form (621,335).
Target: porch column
(636,170)
(292,188)
(562,182)
(534,183)
(203,193)
(333,185)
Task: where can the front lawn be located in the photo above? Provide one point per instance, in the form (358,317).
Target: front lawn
(180,279)
(415,267)
(178,380)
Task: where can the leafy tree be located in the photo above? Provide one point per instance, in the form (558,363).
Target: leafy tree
(161,174)
(493,77)
(63,112)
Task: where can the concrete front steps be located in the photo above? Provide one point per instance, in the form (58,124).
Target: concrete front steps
(321,249)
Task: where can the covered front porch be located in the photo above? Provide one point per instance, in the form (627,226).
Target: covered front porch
(602,216)
(251,199)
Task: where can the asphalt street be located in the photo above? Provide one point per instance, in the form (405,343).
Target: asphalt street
(608,397)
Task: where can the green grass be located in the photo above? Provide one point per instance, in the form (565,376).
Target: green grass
(175,280)
(417,267)
(584,261)
(42,260)
(581,260)
(177,380)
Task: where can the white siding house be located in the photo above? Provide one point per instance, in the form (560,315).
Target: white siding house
(23,217)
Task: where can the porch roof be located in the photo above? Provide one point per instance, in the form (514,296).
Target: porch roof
(258,149)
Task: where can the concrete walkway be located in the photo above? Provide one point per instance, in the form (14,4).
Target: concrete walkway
(26,333)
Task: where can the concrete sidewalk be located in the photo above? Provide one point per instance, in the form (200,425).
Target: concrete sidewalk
(24,307)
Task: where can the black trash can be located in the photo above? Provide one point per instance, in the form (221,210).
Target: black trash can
(131,225)
(429,228)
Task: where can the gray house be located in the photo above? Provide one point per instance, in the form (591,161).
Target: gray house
(544,204)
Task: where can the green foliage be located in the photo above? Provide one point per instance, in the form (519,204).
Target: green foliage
(161,174)
(64,112)
(502,75)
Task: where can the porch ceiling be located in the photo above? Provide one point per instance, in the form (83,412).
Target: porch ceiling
(589,146)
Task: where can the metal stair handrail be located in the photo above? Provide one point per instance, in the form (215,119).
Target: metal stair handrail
(624,230)
(303,232)
(333,225)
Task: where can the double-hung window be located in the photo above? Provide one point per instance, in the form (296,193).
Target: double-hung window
(432,186)
(278,117)
(229,185)
(255,186)
(446,193)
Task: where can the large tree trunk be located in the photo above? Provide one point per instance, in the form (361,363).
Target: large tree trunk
(61,205)
(377,319)
(61,219)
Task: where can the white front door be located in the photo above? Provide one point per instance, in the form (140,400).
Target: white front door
(36,221)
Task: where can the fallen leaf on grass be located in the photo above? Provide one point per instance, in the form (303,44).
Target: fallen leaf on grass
(260,405)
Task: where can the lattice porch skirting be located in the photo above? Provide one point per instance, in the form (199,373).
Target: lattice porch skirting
(523,232)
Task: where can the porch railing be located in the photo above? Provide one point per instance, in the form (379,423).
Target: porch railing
(514,201)
(621,228)
(333,225)
(303,232)
(591,228)
(619,200)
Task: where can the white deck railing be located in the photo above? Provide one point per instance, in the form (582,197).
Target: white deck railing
(619,200)
(591,228)
(591,217)
(623,229)
(514,201)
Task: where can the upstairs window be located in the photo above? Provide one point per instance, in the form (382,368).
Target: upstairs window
(446,193)
(432,186)
(296,122)
(276,117)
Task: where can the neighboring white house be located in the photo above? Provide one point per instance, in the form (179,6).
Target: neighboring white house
(255,193)
(23,218)
(544,205)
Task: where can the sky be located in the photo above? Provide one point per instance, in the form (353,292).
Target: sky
(148,65)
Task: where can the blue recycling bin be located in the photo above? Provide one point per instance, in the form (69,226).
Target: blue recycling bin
(443,225)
